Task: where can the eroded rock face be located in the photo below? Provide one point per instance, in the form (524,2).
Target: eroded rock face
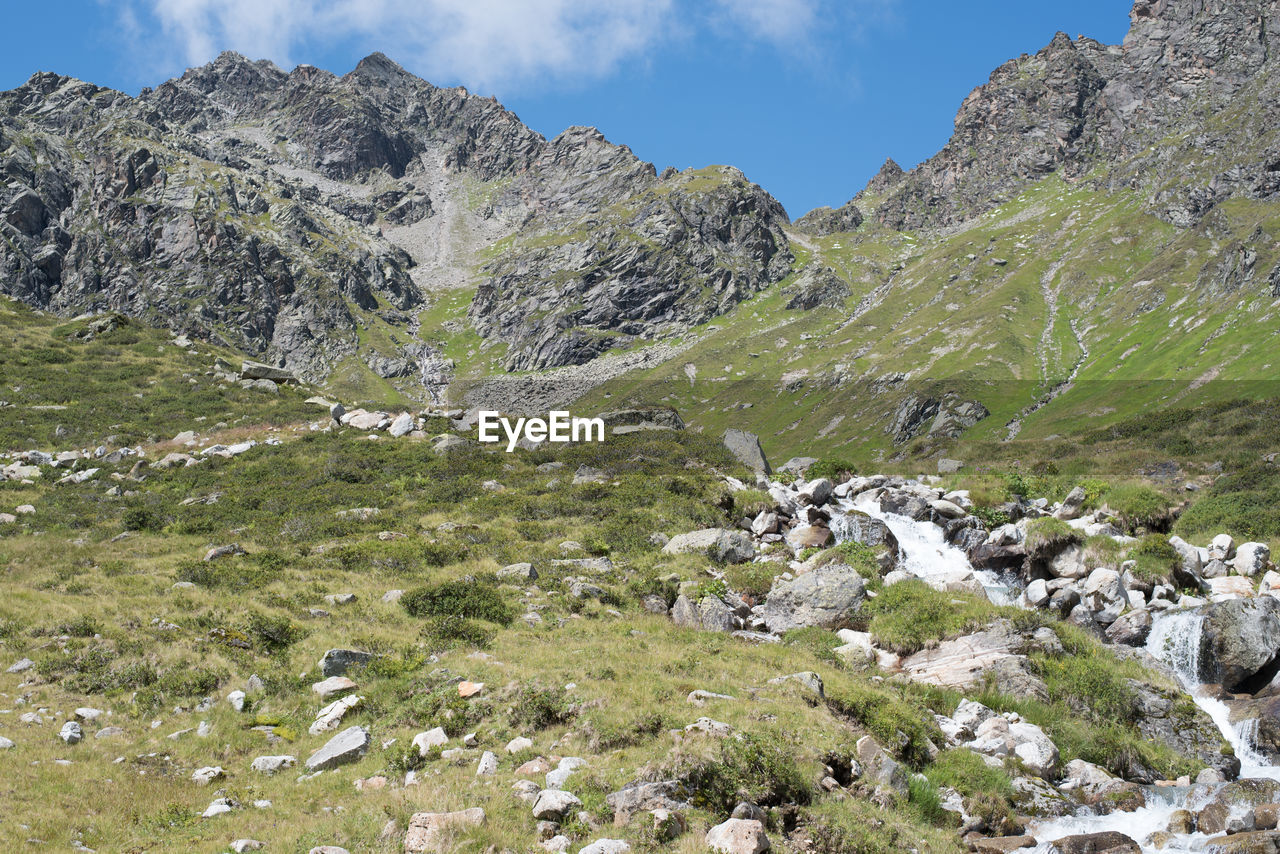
(278,208)
(1077,104)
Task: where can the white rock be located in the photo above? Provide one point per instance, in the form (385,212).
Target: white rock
(1251,558)
(330,717)
(273,764)
(518,744)
(605,846)
(554,805)
(738,836)
(218,807)
(424,741)
(208,774)
(71,733)
(487,765)
(236,699)
(1222,547)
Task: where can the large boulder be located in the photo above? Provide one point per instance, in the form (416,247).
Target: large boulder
(719,544)
(336,662)
(1239,641)
(858,527)
(347,746)
(879,767)
(738,836)
(1107,842)
(827,596)
(746,447)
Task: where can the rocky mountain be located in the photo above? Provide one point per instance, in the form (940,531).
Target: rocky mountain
(1193,86)
(1098,238)
(309,219)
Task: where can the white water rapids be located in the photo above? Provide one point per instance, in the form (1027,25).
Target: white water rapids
(1175,639)
(925,553)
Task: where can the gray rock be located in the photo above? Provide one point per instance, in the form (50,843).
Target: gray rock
(879,767)
(273,764)
(827,596)
(719,544)
(401,425)
(519,572)
(1239,638)
(554,805)
(71,733)
(347,746)
(1131,629)
(1072,504)
(336,662)
(746,448)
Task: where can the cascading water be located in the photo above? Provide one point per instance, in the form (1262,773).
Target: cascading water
(1175,639)
(926,554)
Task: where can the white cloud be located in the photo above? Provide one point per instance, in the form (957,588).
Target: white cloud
(783,22)
(490,45)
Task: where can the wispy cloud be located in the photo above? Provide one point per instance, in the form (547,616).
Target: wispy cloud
(492,45)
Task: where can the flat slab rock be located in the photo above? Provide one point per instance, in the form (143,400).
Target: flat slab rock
(960,663)
(345,747)
(430,831)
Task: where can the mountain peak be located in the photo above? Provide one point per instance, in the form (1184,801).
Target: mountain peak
(380,69)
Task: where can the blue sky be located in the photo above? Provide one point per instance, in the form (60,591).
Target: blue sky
(808,97)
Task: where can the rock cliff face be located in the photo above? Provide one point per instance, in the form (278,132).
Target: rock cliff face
(283,213)
(1183,110)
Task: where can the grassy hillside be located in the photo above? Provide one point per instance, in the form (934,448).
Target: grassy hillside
(67,386)
(113,601)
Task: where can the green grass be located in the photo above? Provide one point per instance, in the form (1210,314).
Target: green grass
(909,615)
(143,388)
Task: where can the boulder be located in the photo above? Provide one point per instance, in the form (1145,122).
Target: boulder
(430,831)
(1072,504)
(738,836)
(258,371)
(401,425)
(1239,638)
(605,846)
(336,662)
(827,596)
(879,767)
(1104,595)
(1251,559)
(1107,842)
(719,544)
(642,796)
(273,764)
(858,527)
(803,537)
(554,805)
(746,448)
(1131,630)
(1222,547)
(347,746)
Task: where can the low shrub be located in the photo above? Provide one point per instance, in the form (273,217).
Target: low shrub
(758,768)
(537,706)
(1154,559)
(469,599)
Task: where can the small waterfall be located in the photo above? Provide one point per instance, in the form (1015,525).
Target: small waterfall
(1175,639)
(926,554)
